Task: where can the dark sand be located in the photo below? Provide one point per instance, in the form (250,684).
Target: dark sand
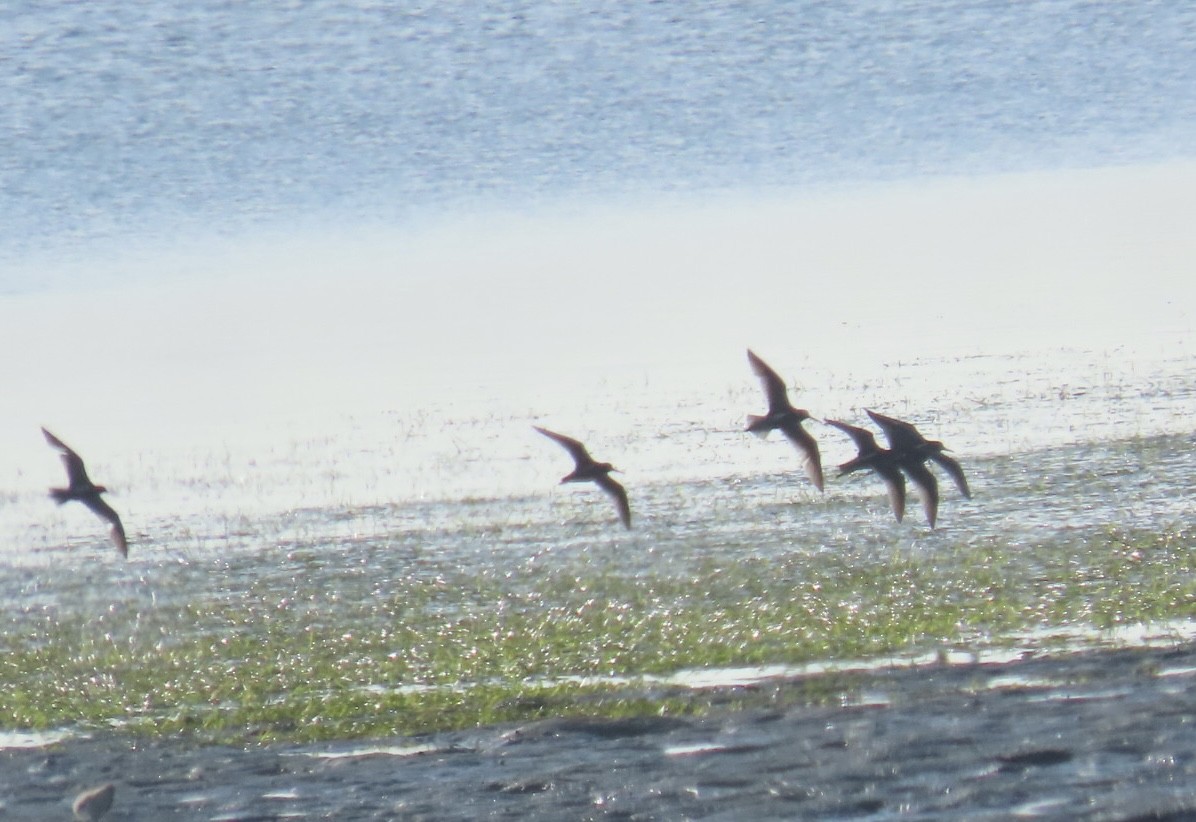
(1108,735)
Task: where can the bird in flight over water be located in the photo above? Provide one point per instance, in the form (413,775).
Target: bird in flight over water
(587,469)
(781,414)
(912,450)
(908,443)
(881,460)
(82,489)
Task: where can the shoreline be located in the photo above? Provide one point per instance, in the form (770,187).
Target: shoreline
(1097,735)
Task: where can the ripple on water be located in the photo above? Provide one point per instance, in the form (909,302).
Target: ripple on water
(35,739)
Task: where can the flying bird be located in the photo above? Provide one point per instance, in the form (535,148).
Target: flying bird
(82,489)
(880,460)
(908,442)
(587,469)
(781,414)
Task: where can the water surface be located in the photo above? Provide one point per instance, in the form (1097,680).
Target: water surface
(298,282)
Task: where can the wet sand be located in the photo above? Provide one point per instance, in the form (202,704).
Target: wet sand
(1104,735)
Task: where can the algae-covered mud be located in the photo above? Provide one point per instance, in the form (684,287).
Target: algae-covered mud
(1100,735)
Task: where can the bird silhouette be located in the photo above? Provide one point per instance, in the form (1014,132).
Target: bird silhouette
(907,441)
(781,414)
(880,460)
(588,469)
(927,485)
(82,489)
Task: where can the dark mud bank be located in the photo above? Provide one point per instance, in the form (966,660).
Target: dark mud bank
(1104,735)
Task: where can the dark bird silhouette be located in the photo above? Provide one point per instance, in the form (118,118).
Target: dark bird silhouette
(82,489)
(587,469)
(907,441)
(927,485)
(880,460)
(781,414)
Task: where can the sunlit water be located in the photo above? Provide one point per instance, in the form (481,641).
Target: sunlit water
(1053,439)
(353,453)
(301,321)
(131,129)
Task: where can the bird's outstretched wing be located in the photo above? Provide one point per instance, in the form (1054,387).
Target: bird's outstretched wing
(804,440)
(894,486)
(617,491)
(75,472)
(952,467)
(903,436)
(104,510)
(928,488)
(576,450)
(865,440)
(774,386)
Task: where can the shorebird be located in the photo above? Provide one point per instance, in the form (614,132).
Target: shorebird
(81,488)
(588,469)
(880,460)
(907,441)
(781,414)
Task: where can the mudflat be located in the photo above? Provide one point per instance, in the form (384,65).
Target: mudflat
(1102,735)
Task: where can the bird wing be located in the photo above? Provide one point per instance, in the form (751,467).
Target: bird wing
(619,493)
(894,486)
(864,440)
(952,468)
(75,472)
(928,488)
(902,436)
(57,443)
(774,386)
(576,450)
(104,510)
(804,440)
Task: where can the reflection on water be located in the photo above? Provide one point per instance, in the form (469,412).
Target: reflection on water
(357,504)
(33,739)
(388,750)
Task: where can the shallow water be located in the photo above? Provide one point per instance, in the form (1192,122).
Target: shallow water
(341,514)
(311,382)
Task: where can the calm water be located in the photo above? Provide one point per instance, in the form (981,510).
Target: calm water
(129,128)
(304,277)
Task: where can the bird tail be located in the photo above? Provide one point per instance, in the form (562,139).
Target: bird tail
(753,425)
(850,466)
(60,495)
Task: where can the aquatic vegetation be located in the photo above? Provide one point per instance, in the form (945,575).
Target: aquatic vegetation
(339,652)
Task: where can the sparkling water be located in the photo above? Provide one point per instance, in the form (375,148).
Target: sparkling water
(306,275)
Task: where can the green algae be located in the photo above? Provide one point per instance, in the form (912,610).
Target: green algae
(581,636)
